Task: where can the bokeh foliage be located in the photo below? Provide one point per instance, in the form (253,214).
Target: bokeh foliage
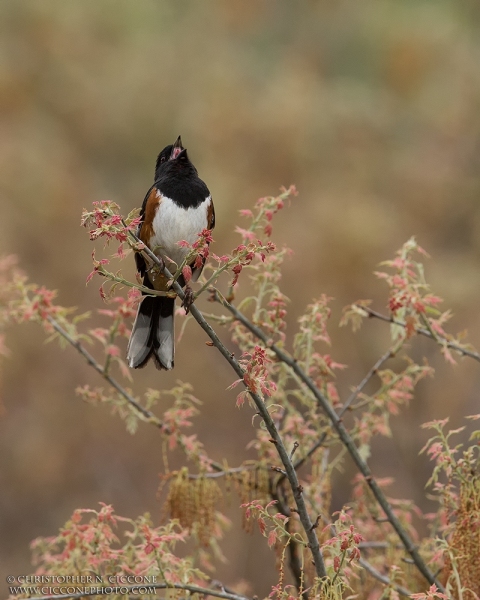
(370,108)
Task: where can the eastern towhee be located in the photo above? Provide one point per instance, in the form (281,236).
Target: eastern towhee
(177,207)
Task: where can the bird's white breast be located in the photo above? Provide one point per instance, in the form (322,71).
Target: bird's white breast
(173,223)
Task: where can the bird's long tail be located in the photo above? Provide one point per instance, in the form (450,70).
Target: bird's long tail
(153,334)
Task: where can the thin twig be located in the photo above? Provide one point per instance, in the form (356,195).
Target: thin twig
(301,461)
(353,396)
(374,545)
(346,406)
(383,578)
(267,419)
(420,330)
(125,589)
(146,414)
(294,449)
(373,571)
(112,277)
(224,472)
(345,438)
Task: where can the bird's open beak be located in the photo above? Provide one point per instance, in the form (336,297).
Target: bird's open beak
(177,148)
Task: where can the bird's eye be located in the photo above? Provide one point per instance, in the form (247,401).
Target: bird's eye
(162,159)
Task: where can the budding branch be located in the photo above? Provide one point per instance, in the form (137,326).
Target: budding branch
(263,410)
(345,438)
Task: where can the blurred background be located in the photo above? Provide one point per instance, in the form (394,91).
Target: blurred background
(371,109)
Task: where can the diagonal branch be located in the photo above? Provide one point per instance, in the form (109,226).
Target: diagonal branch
(345,438)
(373,571)
(420,330)
(141,589)
(383,578)
(145,414)
(291,474)
(388,354)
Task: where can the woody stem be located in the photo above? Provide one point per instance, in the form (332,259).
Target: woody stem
(269,423)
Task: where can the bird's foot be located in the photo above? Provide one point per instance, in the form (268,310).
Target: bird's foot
(156,269)
(188,299)
(160,265)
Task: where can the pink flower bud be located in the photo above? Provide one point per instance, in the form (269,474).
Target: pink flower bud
(187,273)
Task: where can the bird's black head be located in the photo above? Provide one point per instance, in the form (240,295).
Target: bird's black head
(173,160)
(176,178)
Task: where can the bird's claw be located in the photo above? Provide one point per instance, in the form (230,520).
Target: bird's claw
(188,299)
(160,265)
(156,269)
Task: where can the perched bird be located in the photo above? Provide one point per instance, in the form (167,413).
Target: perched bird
(177,207)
